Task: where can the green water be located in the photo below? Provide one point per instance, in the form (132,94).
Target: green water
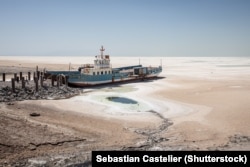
(122,100)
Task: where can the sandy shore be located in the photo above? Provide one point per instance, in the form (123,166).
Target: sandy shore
(196,104)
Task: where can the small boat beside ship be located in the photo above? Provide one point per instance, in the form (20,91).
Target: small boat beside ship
(101,72)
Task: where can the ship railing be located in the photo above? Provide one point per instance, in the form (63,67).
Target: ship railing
(102,66)
(87,65)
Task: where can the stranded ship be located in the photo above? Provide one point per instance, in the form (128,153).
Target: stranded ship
(101,72)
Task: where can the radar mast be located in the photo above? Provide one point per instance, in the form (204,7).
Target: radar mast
(102,49)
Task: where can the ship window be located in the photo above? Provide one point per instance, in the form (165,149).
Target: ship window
(93,73)
(101,72)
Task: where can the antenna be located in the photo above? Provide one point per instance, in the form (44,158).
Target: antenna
(102,49)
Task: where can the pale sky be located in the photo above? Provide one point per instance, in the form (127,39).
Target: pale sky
(125,27)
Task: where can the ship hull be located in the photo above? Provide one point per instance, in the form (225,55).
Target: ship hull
(126,80)
(121,80)
(116,75)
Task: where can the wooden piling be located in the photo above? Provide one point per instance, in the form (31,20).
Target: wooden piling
(15,75)
(21,75)
(58,80)
(36,83)
(29,76)
(38,75)
(13,84)
(3,77)
(17,79)
(34,76)
(23,83)
(52,80)
(61,80)
(41,81)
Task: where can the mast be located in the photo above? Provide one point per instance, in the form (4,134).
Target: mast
(102,49)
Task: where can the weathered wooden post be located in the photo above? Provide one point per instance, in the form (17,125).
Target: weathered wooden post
(3,77)
(58,80)
(21,75)
(36,83)
(61,80)
(17,79)
(34,76)
(13,84)
(15,75)
(52,80)
(29,76)
(38,75)
(41,81)
(23,83)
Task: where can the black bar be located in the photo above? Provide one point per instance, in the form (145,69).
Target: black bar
(170,158)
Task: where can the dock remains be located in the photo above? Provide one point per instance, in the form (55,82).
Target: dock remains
(24,87)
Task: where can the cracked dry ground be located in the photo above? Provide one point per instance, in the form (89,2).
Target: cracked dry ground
(57,137)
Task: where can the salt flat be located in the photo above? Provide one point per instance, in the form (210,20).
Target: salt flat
(206,100)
